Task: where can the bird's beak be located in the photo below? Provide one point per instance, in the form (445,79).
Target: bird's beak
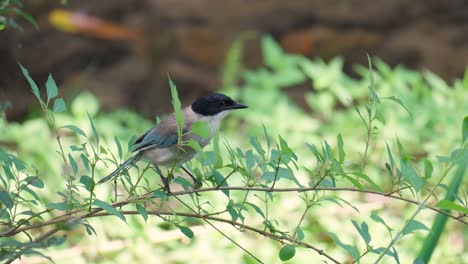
(238,106)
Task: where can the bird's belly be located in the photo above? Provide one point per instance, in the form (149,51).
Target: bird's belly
(169,156)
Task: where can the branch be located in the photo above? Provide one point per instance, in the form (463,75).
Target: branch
(63,218)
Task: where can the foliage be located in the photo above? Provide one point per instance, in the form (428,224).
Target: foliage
(9,9)
(283,183)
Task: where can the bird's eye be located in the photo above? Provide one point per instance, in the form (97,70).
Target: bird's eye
(225,102)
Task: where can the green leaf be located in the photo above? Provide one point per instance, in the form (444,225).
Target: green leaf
(378,219)
(35,181)
(5,199)
(160,194)
(108,208)
(363,230)
(119,146)
(75,129)
(374,95)
(87,182)
(183,182)
(272,53)
(300,234)
(63,206)
(177,107)
(95,133)
(446,204)
(368,179)
(89,229)
(32,84)
(186,231)
(412,226)
(142,211)
(73,164)
(201,128)
(51,86)
(465,129)
(411,175)
(285,173)
(256,208)
(257,146)
(219,179)
(341,153)
(59,106)
(287,252)
(348,248)
(355,182)
(428,169)
(400,102)
(390,156)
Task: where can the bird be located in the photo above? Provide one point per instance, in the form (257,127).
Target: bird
(160,144)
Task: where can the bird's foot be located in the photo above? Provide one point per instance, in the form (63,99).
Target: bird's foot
(165,182)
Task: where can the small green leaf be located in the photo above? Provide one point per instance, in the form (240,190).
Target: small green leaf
(256,208)
(186,231)
(300,234)
(374,95)
(142,211)
(108,208)
(363,230)
(428,169)
(75,129)
(183,182)
(177,107)
(32,84)
(64,206)
(287,252)
(257,146)
(355,182)
(95,133)
(201,128)
(465,129)
(89,229)
(119,146)
(446,204)
(35,181)
(87,182)
(412,226)
(378,219)
(390,156)
(341,153)
(348,248)
(59,106)
(73,164)
(400,102)
(160,194)
(5,199)
(51,86)
(272,53)
(411,175)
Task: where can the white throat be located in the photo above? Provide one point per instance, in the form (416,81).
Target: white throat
(214,120)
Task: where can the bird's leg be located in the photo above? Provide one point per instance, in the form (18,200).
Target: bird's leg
(197,184)
(164,180)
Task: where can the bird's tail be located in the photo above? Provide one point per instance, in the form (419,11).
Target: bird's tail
(123,168)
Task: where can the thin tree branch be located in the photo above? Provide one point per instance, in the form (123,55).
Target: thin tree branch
(59,219)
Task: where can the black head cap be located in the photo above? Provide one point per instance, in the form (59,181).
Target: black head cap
(215,103)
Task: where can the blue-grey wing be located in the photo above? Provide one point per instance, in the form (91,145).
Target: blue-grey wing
(154,139)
